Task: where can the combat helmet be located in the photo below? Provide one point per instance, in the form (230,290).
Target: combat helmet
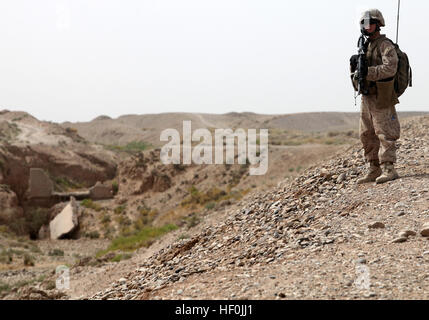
(373,14)
(369,17)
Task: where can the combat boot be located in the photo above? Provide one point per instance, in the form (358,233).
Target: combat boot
(373,173)
(389,173)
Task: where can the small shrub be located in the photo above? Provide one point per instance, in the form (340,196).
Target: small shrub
(71,130)
(22,283)
(132,147)
(4,230)
(77,256)
(16,252)
(120,209)
(192,220)
(93,235)
(105,219)
(50,285)
(121,256)
(115,187)
(64,184)
(19,244)
(210,205)
(142,238)
(183,236)
(4,287)
(35,220)
(108,232)
(56,253)
(178,167)
(19,226)
(197,197)
(28,260)
(145,218)
(332,134)
(123,221)
(6,256)
(35,249)
(88,203)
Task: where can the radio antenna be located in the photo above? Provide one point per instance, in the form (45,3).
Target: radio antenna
(397,21)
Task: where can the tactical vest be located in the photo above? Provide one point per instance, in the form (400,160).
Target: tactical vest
(383,89)
(404,75)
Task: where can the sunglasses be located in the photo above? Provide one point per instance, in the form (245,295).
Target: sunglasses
(371,21)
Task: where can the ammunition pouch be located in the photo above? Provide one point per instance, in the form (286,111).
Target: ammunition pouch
(385,92)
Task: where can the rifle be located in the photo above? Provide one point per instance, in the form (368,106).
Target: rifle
(362,65)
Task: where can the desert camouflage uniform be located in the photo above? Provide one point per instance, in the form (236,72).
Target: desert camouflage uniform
(379,125)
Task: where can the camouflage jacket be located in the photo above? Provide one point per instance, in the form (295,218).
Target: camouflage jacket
(382,59)
(382,64)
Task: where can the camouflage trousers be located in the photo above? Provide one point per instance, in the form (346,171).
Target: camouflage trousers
(379,129)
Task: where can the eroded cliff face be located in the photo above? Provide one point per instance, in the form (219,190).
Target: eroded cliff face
(10,211)
(78,165)
(69,160)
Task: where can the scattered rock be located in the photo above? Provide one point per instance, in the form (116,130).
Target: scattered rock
(400,213)
(100,191)
(325,173)
(400,240)
(341,178)
(376,225)
(33,293)
(370,295)
(44,232)
(66,222)
(425,230)
(407,233)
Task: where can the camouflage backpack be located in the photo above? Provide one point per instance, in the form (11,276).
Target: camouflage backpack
(404,75)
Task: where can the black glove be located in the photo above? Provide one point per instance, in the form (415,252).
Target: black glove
(354,62)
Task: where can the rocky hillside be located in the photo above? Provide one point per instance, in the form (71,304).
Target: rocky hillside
(321,236)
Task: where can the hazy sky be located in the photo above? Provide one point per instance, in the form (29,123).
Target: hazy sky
(74,60)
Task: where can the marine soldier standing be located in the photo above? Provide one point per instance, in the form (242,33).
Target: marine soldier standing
(379,126)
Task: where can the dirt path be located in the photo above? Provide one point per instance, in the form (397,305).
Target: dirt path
(34,134)
(205,122)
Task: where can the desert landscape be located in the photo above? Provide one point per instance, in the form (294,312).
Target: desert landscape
(95,197)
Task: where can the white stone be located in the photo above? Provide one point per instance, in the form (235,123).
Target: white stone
(65,222)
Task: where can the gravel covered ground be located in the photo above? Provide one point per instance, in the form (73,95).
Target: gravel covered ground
(319,237)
